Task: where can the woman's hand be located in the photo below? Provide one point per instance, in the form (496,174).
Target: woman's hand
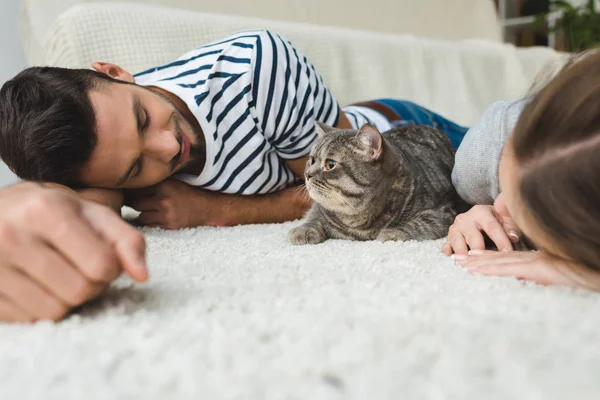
(466,232)
(537,266)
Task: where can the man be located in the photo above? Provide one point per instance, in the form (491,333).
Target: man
(232,122)
(58,251)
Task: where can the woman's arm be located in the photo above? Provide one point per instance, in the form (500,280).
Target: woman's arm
(475,173)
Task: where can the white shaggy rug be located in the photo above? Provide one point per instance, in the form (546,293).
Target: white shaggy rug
(238,313)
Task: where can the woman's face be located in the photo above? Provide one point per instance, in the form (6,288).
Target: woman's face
(509,178)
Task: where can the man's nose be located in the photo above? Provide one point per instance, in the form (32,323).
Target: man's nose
(163,146)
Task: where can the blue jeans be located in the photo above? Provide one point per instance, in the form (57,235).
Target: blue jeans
(411,113)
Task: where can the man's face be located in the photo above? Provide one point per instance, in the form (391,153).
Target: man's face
(142,138)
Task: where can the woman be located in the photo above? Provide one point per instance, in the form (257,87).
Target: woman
(544,186)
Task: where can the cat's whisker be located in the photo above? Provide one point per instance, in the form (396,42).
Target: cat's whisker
(300,186)
(302,191)
(346,202)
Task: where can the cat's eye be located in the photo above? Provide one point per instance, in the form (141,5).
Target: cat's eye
(311,160)
(330,164)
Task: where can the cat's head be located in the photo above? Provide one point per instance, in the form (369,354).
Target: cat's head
(344,170)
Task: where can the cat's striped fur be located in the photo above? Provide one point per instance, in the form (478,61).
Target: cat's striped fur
(392,186)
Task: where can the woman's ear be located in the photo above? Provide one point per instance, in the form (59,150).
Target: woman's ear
(114,71)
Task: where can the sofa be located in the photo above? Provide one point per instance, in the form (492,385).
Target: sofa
(458,78)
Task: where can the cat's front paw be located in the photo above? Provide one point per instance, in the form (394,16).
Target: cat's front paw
(306,234)
(387,235)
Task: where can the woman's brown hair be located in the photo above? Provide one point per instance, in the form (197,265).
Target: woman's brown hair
(557,146)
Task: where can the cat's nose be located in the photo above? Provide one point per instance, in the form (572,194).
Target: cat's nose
(308,173)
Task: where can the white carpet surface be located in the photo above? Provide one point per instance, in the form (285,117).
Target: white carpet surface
(238,313)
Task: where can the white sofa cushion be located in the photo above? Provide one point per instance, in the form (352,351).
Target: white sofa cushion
(446,19)
(457,79)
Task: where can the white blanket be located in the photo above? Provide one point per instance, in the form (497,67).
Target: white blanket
(238,313)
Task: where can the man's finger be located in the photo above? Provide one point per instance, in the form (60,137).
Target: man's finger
(11,313)
(150,218)
(143,192)
(127,241)
(31,298)
(144,204)
(55,274)
(82,246)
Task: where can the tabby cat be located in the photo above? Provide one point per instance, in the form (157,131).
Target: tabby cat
(366,185)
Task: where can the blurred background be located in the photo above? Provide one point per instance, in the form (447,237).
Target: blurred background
(570,25)
(13,60)
(566,25)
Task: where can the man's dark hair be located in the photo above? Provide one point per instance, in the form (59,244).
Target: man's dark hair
(47,123)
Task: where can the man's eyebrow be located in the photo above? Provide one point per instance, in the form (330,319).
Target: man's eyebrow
(137,113)
(136,110)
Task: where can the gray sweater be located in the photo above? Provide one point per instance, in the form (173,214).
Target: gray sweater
(475,173)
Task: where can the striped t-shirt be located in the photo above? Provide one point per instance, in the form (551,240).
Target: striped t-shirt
(256,98)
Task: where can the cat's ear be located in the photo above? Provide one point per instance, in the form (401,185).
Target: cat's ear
(323,129)
(370,137)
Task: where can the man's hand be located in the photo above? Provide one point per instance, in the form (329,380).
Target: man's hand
(537,266)
(174,205)
(466,232)
(58,251)
(111,198)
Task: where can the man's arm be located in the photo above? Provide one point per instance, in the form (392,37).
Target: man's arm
(287,205)
(174,205)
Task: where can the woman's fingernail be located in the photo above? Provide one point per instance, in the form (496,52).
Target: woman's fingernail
(459,257)
(475,252)
(472,269)
(514,235)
